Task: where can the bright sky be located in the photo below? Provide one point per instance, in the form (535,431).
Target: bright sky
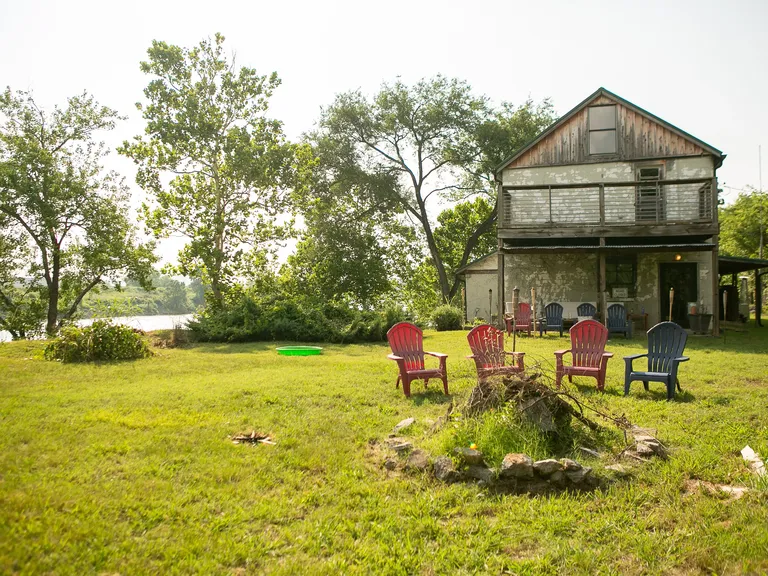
(698,64)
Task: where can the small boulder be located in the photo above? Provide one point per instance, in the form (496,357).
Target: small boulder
(557,479)
(644,449)
(578,476)
(445,471)
(516,466)
(402,447)
(417,460)
(535,411)
(390,464)
(471,457)
(403,424)
(547,467)
(570,465)
(480,473)
(618,470)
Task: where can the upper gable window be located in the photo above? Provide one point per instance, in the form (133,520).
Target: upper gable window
(602,130)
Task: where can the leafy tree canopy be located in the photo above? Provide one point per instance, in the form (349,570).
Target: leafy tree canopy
(217,167)
(63,224)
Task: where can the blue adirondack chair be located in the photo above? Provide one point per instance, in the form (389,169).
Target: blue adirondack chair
(617,320)
(586,309)
(553,313)
(666,343)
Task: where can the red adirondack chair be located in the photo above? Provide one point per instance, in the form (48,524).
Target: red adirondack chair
(406,342)
(588,339)
(487,345)
(523,323)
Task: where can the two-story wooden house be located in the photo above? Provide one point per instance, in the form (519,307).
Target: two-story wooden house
(611,204)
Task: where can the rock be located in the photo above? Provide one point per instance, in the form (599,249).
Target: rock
(589,452)
(578,476)
(618,470)
(547,467)
(516,466)
(390,464)
(402,447)
(570,465)
(403,424)
(480,473)
(445,470)
(557,479)
(417,460)
(535,411)
(471,457)
(644,449)
(645,438)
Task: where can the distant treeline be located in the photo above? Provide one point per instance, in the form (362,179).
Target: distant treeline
(169,296)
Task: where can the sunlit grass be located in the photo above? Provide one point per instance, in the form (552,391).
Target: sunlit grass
(126,468)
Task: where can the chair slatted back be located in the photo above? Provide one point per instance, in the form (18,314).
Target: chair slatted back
(523,317)
(617,316)
(586,309)
(666,341)
(407,340)
(554,314)
(487,345)
(588,339)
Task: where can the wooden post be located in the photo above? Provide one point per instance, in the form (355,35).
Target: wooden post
(601,288)
(602,203)
(715,266)
(500,296)
(533,309)
(515,305)
(671,299)
(758,298)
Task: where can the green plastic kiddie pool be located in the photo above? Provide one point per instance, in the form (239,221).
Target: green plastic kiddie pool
(300,350)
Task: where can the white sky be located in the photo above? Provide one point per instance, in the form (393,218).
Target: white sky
(700,65)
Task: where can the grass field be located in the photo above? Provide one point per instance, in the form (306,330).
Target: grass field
(126,468)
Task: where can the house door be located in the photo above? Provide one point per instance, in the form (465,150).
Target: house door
(683,277)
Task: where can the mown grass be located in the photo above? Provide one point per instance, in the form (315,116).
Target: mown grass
(126,468)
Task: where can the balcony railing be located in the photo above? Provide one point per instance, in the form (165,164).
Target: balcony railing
(657,202)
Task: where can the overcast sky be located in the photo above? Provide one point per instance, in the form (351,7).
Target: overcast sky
(700,65)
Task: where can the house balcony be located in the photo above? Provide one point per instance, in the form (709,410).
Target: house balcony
(657,208)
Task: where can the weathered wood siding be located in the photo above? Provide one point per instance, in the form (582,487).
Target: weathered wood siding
(638,137)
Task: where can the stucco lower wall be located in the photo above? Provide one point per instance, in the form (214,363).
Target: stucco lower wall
(571,279)
(477,286)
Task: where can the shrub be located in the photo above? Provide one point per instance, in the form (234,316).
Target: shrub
(101,341)
(447,317)
(251,318)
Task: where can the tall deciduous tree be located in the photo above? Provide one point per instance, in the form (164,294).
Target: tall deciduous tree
(740,224)
(215,165)
(65,215)
(435,139)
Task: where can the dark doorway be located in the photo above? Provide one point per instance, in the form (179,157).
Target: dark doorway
(683,278)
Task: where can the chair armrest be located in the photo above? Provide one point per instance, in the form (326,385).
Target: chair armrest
(681,359)
(396,358)
(634,356)
(437,354)
(471,357)
(607,354)
(561,352)
(514,353)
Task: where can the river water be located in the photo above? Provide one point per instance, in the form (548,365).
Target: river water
(146,323)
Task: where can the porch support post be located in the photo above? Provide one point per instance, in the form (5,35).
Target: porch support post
(500,286)
(758,297)
(601,300)
(715,290)
(715,266)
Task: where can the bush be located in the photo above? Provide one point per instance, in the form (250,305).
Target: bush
(101,341)
(249,318)
(447,318)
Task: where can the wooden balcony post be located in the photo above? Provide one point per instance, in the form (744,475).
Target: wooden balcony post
(601,299)
(602,203)
(500,295)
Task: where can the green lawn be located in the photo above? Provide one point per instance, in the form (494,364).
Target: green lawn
(126,468)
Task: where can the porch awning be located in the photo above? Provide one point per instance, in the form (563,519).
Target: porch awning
(695,247)
(736,264)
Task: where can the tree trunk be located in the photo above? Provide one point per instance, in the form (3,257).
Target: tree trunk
(437,259)
(481,229)
(53,297)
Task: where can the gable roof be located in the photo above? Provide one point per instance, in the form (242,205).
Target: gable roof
(619,100)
